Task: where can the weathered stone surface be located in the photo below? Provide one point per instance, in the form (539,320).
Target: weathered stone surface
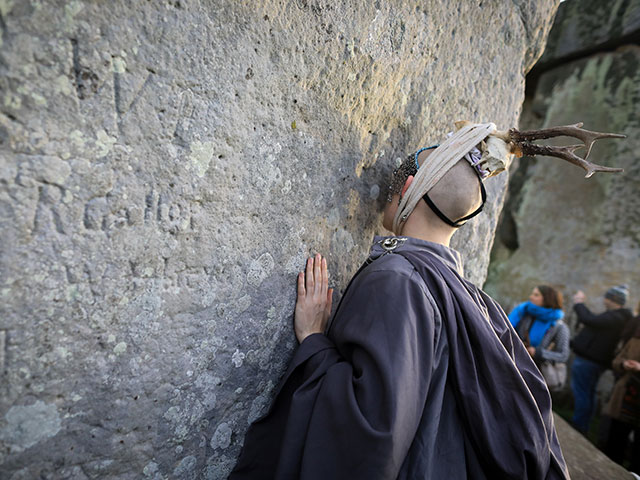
(563,229)
(166,167)
(584,26)
(586,462)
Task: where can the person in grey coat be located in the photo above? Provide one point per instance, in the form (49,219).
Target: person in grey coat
(554,346)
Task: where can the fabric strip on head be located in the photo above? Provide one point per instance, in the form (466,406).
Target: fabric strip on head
(440,162)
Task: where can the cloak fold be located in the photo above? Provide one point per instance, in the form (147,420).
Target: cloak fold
(492,373)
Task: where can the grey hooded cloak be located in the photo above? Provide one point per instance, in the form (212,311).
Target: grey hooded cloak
(420,375)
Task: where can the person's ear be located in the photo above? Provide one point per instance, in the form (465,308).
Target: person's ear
(406,186)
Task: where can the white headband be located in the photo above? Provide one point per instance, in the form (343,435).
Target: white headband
(443,158)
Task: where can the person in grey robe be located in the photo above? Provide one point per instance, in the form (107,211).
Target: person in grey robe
(419,375)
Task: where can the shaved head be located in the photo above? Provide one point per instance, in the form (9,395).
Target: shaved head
(457,193)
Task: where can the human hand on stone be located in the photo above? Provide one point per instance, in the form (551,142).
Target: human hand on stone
(313,305)
(579,297)
(631,365)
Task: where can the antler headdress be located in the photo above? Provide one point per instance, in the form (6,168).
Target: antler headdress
(520,144)
(496,148)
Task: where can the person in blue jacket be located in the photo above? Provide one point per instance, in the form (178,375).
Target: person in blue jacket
(539,325)
(533,320)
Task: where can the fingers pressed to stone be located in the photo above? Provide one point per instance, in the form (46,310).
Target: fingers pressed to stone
(316,273)
(325,277)
(301,289)
(310,281)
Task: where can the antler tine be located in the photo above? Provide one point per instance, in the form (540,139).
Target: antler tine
(520,144)
(566,153)
(588,137)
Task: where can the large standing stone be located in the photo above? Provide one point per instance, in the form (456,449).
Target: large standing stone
(166,167)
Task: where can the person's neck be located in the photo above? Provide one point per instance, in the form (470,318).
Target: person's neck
(426,226)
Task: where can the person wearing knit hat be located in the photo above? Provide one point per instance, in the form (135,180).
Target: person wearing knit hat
(594,346)
(618,294)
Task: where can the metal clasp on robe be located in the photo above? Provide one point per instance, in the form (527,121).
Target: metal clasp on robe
(390,244)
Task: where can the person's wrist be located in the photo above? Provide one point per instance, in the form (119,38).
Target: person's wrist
(303,336)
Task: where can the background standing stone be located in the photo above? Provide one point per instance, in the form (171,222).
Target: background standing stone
(165,169)
(558,227)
